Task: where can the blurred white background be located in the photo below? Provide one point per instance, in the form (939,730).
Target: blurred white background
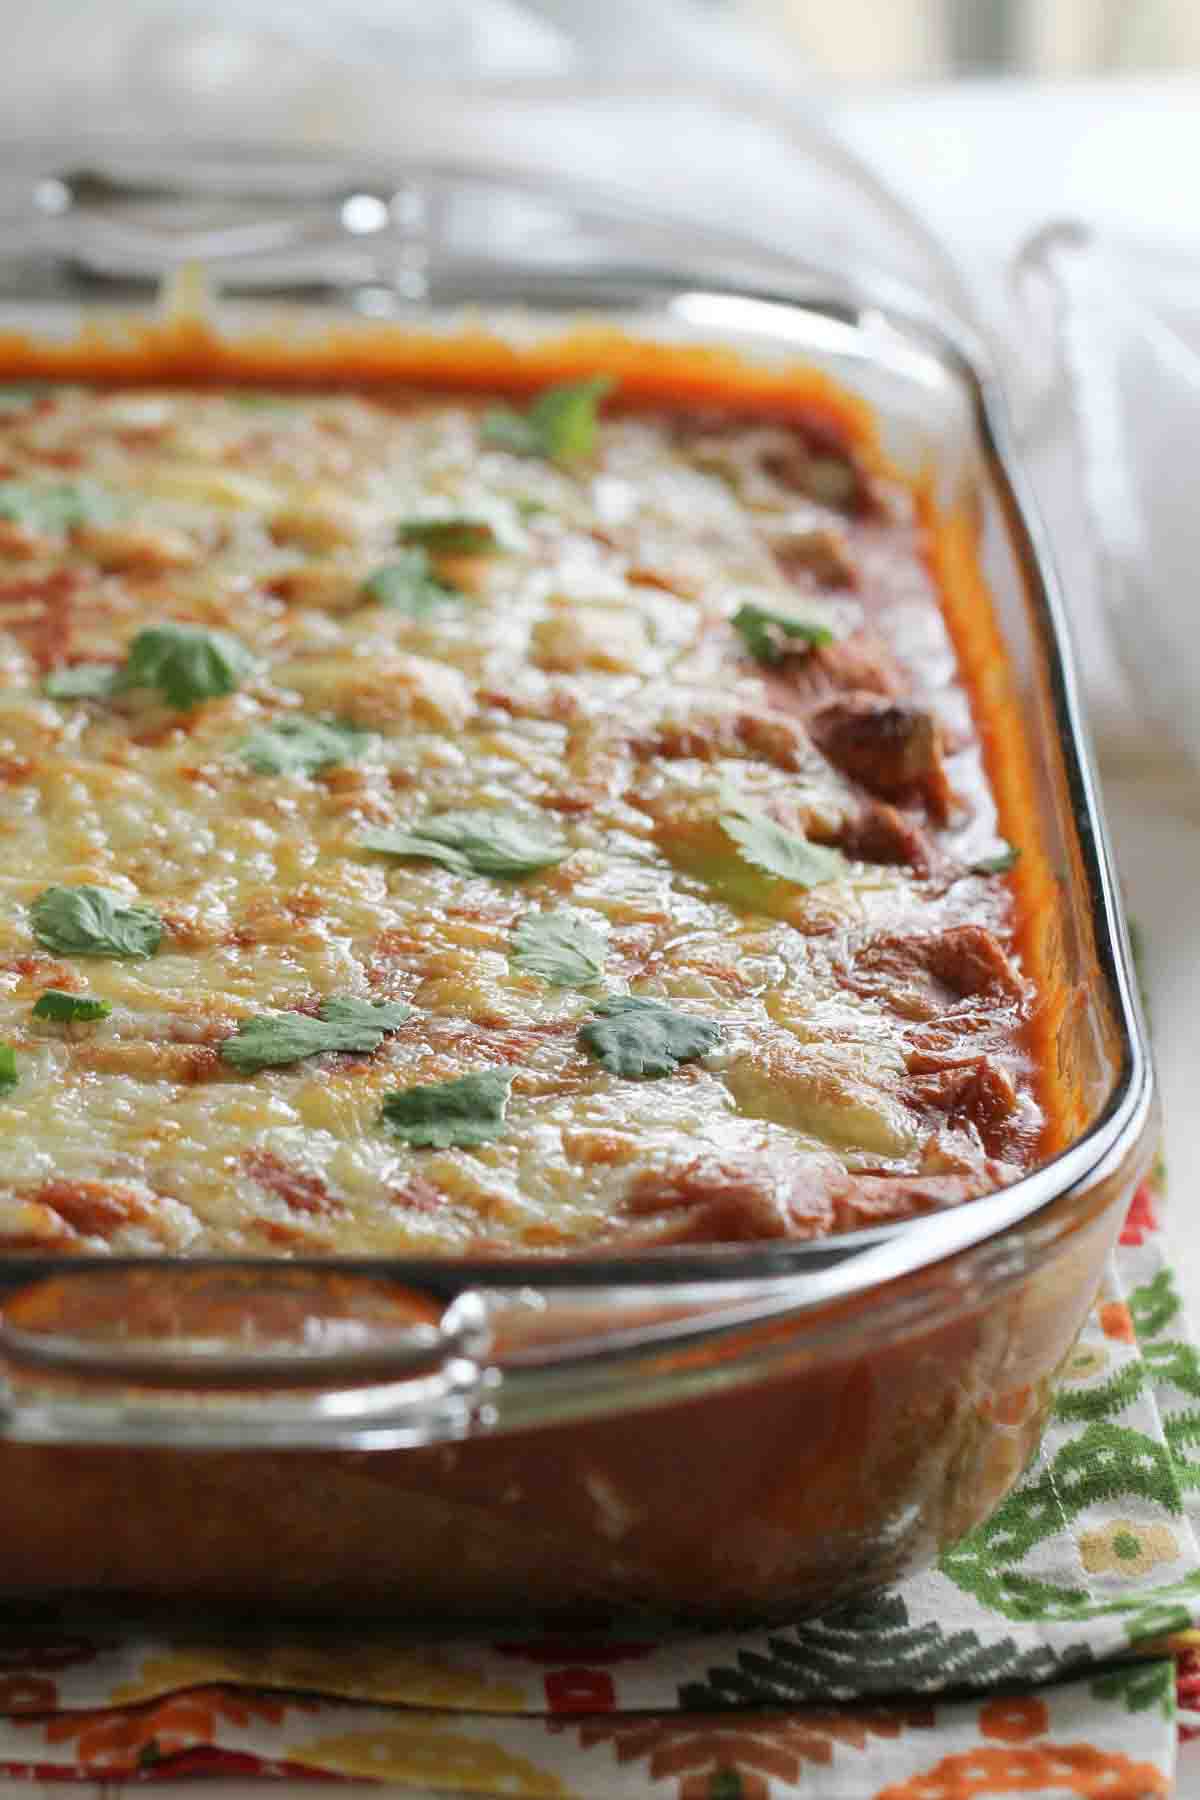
(259,67)
(920,38)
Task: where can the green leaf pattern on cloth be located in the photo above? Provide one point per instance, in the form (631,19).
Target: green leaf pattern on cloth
(1118,1446)
(1094,1553)
(1155,1305)
(1139,1686)
(874,1648)
(1102,1402)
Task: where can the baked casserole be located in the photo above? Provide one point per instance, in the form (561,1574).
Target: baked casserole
(513,834)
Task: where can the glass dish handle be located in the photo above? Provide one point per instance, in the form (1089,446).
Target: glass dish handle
(237,1358)
(264,1355)
(253,1356)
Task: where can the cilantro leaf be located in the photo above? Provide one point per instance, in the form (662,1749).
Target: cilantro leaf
(409,585)
(8,1068)
(343,1023)
(444,1113)
(457,536)
(348,1012)
(560,947)
(262,400)
(1000,864)
(777,851)
(85,681)
(476,842)
(762,626)
(642,1039)
(289,1037)
(411,843)
(299,746)
(186,663)
(68,1008)
(91,921)
(54,508)
(559,425)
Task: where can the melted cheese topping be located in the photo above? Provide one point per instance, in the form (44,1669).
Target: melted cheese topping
(872,1059)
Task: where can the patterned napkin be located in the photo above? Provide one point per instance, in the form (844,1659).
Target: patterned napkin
(1084,1586)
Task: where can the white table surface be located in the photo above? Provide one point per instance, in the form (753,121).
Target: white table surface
(984,163)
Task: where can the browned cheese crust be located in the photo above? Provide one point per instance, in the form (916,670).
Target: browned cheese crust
(581,671)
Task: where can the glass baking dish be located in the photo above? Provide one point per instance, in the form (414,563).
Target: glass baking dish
(706,1435)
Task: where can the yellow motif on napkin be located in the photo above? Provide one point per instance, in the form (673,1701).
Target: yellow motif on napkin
(421,1753)
(358,1670)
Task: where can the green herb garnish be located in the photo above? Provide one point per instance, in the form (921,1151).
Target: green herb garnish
(69,1008)
(560,947)
(186,663)
(341,1024)
(776,851)
(762,627)
(8,1068)
(445,1113)
(91,921)
(458,536)
(476,843)
(380,1015)
(642,1039)
(262,400)
(1000,864)
(300,746)
(409,584)
(559,425)
(54,508)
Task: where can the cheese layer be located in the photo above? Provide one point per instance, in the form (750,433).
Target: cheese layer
(872,1058)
